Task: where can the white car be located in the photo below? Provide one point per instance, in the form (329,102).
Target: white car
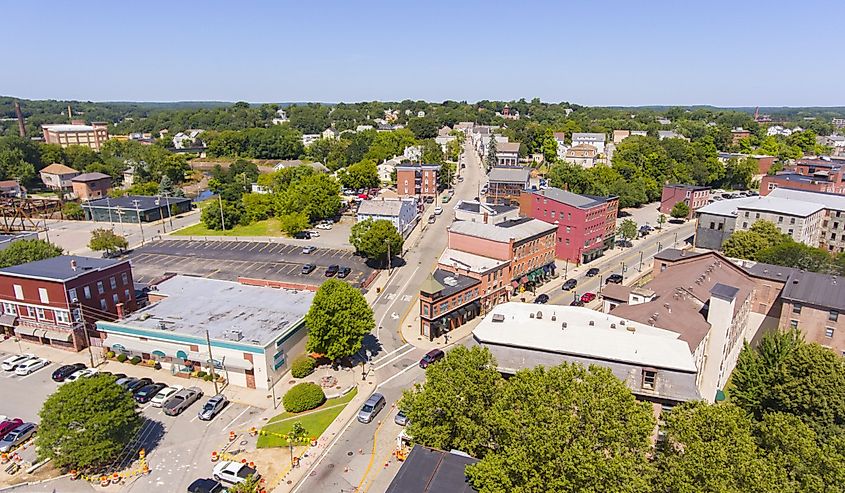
(9,364)
(438,210)
(314,234)
(87,372)
(30,366)
(324,226)
(164,394)
(233,472)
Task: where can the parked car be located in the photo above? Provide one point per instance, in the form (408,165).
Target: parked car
(308,268)
(324,225)
(371,408)
(624,243)
(430,357)
(12,362)
(159,399)
(613,279)
(431,218)
(8,425)
(17,436)
(124,380)
(308,249)
(65,371)
(593,272)
(313,234)
(401,418)
(178,402)
(542,299)
(138,384)
(206,486)
(343,272)
(302,235)
(570,284)
(588,297)
(213,407)
(146,393)
(332,270)
(30,366)
(576,302)
(233,472)
(87,372)
(438,210)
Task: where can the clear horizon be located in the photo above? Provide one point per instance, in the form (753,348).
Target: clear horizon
(615,54)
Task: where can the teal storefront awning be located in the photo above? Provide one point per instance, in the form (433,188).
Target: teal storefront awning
(181,355)
(158,353)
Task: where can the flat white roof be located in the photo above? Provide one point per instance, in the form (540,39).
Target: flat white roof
(831,201)
(779,205)
(469,261)
(68,128)
(724,207)
(644,345)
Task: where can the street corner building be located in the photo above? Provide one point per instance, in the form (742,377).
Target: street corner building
(56,301)
(135,208)
(248,334)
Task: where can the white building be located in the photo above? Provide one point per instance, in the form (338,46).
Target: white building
(188,138)
(401,212)
(281,117)
(330,133)
(799,219)
(560,139)
(308,139)
(670,134)
(507,153)
(254,331)
(412,153)
(482,212)
(596,140)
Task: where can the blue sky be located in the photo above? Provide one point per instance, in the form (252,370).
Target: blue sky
(728,53)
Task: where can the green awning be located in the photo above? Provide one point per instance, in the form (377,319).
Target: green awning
(158,353)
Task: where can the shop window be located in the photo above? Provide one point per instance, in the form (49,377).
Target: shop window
(649,378)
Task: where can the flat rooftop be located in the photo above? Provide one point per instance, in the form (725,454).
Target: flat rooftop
(230,311)
(62,268)
(469,261)
(516,229)
(727,208)
(832,201)
(588,333)
(144,202)
(778,205)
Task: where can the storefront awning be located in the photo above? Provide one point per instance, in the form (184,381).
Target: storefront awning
(57,335)
(26,331)
(236,364)
(8,320)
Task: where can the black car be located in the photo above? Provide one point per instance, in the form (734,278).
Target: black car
(332,270)
(593,272)
(147,392)
(67,370)
(613,279)
(308,268)
(542,299)
(136,385)
(206,486)
(302,235)
(576,302)
(570,284)
(343,272)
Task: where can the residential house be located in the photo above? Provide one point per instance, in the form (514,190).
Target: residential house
(281,117)
(308,139)
(764,163)
(507,153)
(58,176)
(54,301)
(187,139)
(90,186)
(475,211)
(290,163)
(505,184)
(670,134)
(620,135)
(583,155)
(77,133)
(417,180)
(596,140)
(412,153)
(586,225)
(402,213)
(560,140)
(330,133)
(692,195)
(738,134)
(12,189)
(664,121)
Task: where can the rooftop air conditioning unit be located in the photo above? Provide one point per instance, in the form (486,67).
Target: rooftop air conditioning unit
(498,318)
(592,323)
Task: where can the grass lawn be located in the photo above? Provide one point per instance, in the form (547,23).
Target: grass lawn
(315,421)
(267,227)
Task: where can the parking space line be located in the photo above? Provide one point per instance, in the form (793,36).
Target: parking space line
(236,418)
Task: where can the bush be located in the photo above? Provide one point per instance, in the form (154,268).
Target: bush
(302,397)
(201,374)
(302,366)
(135,360)
(109,354)
(207,378)
(122,357)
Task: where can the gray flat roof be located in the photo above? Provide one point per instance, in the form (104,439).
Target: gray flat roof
(428,470)
(780,205)
(588,136)
(84,177)
(726,208)
(811,288)
(831,201)
(145,202)
(196,304)
(573,199)
(509,174)
(518,229)
(61,268)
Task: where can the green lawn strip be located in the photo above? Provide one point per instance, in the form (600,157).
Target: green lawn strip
(267,227)
(315,422)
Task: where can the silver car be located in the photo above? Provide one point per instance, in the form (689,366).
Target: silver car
(17,436)
(213,407)
(371,408)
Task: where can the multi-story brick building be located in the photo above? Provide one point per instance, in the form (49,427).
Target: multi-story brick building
(815,304)
(586,225)
(484,264)
(77,133)
(91,186)
(416,180)
(694,196)
(813,175)
(505,184)
(53,301)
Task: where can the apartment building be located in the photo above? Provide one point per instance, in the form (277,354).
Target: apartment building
(401,212)
(77,133)
(586,225)
(832,235)
(505,185)
(694,196)
(416,180)
(596,140)
(53,301)
(799,219)
(57,176)
(815,304)
(584,155)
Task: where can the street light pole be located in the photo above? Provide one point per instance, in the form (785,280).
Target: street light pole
(640,269)
(136,203)
(211,363)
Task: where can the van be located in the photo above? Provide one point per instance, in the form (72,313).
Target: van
(371,408)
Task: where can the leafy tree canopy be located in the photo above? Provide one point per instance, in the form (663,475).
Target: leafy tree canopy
(375,238)
(338,320)
(24,251)
(107,240)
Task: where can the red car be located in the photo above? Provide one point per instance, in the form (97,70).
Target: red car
(9,425)
(588,297)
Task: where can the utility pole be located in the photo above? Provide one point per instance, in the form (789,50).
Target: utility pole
(641,262)
(136,203)
(211,363)
(220,204)
(85,333)
(160,213)
(389,264)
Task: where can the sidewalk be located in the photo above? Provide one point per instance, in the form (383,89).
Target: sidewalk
(411,331)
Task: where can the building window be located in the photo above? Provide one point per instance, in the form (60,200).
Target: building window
(796,309)
(828,332)
(793,324)
(833,316)
(43,296)
(789,232)
(100,288)
(39,313)
(126,295)
(9,309)
(86,291)
(791,220)
(780,219)
(113,282)
(757,216)
(71,294)
(103,306)
(712,225)
(744,225)
(746,213)
(62,316)
(18,292)
(649,377)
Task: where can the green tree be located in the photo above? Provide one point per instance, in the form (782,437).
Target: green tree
(293,223)
(796,255)
(680,210)
(363,174)
(424,128)
(251,484)
(491,159)
(258,206)
(748,244)
(446,175)
(566,429)
(316,195)
(106,240)
(375,238)
(72,210)
(451,410)
(233,214)
(86,424)
(24,251)
(661,220)
(628,229)
(338,320)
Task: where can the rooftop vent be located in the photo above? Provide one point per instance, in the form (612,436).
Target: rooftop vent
(622,322)
(632,329)
(539,314)
(498,318)
(592,323)
(162,325)
(612,326)
(554,317)
(234,335)
(450,281)
(563,325)
(531,315)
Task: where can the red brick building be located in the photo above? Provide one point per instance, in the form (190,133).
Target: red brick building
(799,182)
(77,133)
(586,225)
(47,301)
(693,196)
(91,186)
(416,180)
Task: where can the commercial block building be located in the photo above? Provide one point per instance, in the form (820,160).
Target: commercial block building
(832,235)
(481,212)
(586,225)
(694,196)
(505,185)
(77,134)
(416,180)
(90,186)
(788,179)
(800,220)
(135,208)
(254,332)
(53,301)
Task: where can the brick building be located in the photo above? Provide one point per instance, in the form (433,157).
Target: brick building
(90,186)
(416,180)
(815,304)
(77,133)
(505,184)
(586,225)
(48,300)
(693,196)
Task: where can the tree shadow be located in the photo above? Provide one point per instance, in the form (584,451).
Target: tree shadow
(148,438)
(371,344)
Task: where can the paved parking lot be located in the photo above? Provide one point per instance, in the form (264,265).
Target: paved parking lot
(228,260)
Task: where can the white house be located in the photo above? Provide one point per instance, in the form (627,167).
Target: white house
(560,139)
(596,140)
(281,117)
(188,138)
(401,212)
(308,139)
(330,133)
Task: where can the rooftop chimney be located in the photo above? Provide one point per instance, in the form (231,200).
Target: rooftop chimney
(119,308)
(73,264)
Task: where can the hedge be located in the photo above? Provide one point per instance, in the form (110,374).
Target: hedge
(302,366)
(302,397)
(135,360)
(121,357)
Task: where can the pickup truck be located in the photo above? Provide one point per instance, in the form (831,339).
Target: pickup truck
(181,400)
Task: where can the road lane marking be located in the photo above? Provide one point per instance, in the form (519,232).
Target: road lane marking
(236,418)
(393,359)
(372,456)
(411,367)
(400,348)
